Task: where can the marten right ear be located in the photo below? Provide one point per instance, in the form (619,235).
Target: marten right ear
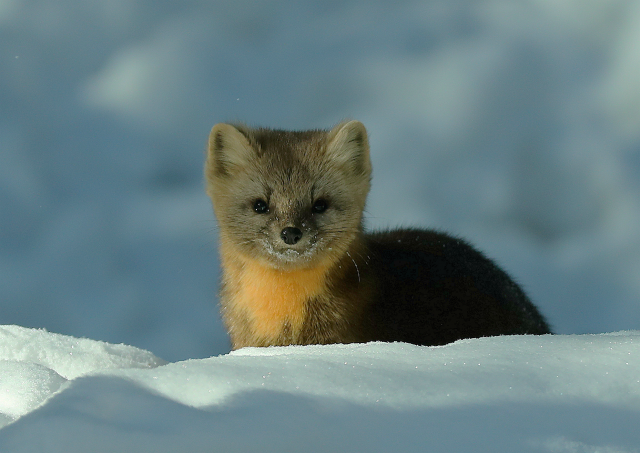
(229,150)
(348,146)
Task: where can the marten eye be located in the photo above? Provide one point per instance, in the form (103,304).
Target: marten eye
(260,206)
(320,206)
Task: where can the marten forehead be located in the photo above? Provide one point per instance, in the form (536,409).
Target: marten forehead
(290,164)
(288,175)
(287,179)
(288,145)
(290,158)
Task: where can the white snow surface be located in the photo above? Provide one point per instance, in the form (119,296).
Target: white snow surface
(562,393)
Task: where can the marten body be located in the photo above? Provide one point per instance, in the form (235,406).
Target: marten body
(299,269)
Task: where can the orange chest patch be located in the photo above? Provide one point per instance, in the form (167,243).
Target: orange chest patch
(274,298)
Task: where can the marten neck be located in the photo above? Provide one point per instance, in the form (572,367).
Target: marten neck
(274,300)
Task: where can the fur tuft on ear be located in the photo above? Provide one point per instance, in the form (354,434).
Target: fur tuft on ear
(348,145)
(229,150)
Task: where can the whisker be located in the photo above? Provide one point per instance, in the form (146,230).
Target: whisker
(355,264)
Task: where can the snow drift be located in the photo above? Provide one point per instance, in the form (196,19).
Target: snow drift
(564,393)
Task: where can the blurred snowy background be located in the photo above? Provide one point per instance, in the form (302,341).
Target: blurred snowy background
(514,124)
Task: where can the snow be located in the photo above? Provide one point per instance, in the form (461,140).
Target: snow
(512,124)
(35,364)
(563,393)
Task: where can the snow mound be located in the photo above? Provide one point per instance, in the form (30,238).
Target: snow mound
(68,356)
(575,393)
(36,364)
(25,387)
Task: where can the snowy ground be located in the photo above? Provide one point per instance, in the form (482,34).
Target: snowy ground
(569,393)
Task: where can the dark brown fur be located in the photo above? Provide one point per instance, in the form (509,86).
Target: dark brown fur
(334,283)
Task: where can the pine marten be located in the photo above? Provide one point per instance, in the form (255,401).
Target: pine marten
(298,267)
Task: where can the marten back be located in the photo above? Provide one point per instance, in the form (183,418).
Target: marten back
(434,289)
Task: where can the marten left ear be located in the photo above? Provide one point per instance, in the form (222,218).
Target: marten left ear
(229,150)
(348,145)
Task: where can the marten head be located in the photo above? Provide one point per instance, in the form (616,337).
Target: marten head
(288,199)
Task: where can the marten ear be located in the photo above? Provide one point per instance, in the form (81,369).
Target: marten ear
(348,146)
(229,150)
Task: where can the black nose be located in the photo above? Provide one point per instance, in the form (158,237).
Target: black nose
(291,235)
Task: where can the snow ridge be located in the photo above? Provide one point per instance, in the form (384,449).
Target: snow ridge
(510,393)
